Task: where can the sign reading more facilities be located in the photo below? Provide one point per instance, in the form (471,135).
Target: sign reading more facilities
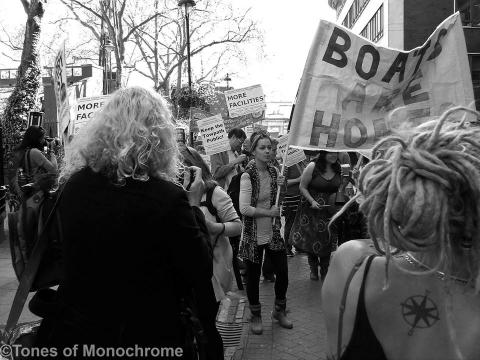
(214,136)
(86,108)
(245,101)
(350,86)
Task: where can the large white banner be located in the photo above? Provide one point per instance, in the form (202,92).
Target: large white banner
(214,136)
(60,87)
(86,108)
(294,156)
(245,101)
(350,85)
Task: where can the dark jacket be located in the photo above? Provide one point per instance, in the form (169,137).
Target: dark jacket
(130,253)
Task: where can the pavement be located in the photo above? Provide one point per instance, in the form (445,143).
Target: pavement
(306,341)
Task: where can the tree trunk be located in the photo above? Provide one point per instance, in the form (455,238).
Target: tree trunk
(23,98)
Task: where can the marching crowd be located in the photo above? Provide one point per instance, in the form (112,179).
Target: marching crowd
(130,194)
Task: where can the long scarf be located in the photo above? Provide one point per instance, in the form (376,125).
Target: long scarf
(248,246)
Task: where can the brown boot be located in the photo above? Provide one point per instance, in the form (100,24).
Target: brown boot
(256,326)
(281,317)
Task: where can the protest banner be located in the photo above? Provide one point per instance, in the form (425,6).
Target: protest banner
(214,136)
(245,101)
(294,155)
(86,108)
(60,88)
(350,85)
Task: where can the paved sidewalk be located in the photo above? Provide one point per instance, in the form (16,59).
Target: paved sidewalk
(9,283)
(307,339)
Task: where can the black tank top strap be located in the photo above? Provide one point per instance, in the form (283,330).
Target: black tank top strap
(363,342)
(361,295)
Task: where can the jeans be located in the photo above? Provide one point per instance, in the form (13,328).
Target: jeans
(280,268)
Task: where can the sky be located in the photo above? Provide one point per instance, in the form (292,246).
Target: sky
(288,30)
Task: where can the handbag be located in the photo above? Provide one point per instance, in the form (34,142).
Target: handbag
(24,334)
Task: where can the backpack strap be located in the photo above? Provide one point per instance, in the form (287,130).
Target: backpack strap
(28,275)
(344,302)
(209,204)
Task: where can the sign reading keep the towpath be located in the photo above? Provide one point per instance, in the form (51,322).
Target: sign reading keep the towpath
(245,101)
(86,108)
(350,85)
(214,136)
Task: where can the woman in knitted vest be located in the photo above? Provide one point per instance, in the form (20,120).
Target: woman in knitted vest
(258,189)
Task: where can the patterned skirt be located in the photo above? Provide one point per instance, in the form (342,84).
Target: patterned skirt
(310,229)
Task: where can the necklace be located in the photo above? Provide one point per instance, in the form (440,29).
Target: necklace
(441,275)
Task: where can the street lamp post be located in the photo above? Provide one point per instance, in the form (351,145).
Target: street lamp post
(227,79)
(188,4)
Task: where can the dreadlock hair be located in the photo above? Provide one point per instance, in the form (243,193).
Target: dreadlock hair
(422,194)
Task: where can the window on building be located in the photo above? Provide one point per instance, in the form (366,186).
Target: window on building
(354,13)
(475,68)
(469,12)
(374,28)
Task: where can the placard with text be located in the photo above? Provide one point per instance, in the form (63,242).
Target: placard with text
(350,86)
(214,136)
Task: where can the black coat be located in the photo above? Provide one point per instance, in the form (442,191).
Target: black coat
(130,253)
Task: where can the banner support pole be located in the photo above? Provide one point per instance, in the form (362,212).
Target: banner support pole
(282,171)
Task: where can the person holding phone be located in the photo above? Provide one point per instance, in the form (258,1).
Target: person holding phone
(319,185)
(129,228)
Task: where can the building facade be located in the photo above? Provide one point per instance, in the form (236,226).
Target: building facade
(407,24)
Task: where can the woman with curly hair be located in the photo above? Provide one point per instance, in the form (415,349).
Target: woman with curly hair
(133,245)
(412,292)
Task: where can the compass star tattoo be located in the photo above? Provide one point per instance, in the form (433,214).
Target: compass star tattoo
(420,312)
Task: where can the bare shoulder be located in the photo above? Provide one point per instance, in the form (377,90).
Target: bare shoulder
(341,265)
(350,252)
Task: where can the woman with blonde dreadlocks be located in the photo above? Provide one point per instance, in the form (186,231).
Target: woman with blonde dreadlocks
(413,293)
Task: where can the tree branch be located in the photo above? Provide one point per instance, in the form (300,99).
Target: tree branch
(26,6)
(139,25)
(83,6)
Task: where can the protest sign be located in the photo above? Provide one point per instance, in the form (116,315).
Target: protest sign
(60,88)
(86,108)
(245,101)
(214,136)
(219,106)
(350,86)
(294,155)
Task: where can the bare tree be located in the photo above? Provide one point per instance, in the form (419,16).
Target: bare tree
(109,15)
(24,95)
(216,32)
